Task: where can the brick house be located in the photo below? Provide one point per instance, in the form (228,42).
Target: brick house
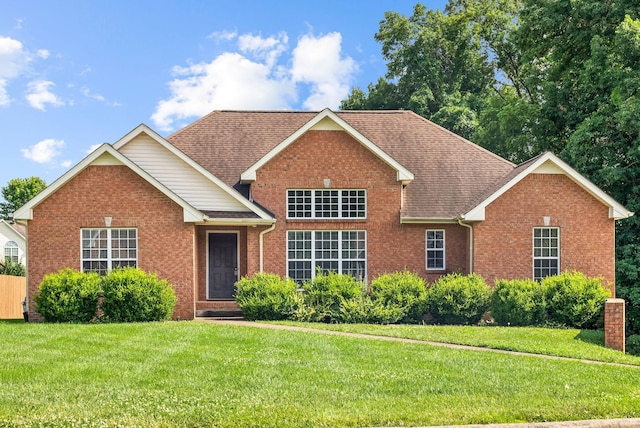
(359,192)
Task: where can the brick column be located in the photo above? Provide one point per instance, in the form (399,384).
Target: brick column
(614,334)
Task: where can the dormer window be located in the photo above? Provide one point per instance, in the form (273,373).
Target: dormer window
(327,204)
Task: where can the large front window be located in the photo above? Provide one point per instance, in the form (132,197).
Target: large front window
(546,252)
(105,249)
(341,251)
(327,204)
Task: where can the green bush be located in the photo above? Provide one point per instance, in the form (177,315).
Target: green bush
(68,296)
(631,295)
(266,296)
(364,309)
(633,345)
(404,290)
(132,295)
(12,268)
(574,299)
(518,302)
(326,292)
(458,299)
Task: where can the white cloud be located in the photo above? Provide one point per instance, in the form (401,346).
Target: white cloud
(13,62)
(317,61)
(43,53)
(92,148)
(44,151)
(87,93)
(259,76)
(224,35)
(39,95)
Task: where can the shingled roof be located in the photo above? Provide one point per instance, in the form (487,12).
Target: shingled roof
(450,173)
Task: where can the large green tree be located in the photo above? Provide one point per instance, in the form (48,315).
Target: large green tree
(440,65)
(17,192)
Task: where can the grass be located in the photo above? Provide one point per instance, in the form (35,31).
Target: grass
(192,374)
(571,343)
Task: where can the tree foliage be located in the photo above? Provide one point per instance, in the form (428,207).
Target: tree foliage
(18,192)
(521,77)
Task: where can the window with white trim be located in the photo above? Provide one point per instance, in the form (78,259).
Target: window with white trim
(106,249)
(327,203)
(546,252)
(11,252)
(435,249)
(341,251)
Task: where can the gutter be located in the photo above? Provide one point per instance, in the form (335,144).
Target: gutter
(470,227)
(261,239)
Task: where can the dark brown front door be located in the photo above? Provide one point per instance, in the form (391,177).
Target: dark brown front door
(223,265)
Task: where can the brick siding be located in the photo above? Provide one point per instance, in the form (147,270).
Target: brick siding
(391,246)
(165,242)
(504,241)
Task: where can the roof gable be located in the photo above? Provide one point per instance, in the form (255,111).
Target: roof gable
(547,163)
(328,120)
(185,177)
(12,230)
(106,155)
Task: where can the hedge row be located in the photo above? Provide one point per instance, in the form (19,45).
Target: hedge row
(123,295)
(569,299)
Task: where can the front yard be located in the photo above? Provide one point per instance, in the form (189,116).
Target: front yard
(200,374)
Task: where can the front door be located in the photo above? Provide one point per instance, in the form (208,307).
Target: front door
(223,265)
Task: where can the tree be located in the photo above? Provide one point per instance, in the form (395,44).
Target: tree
(18,192)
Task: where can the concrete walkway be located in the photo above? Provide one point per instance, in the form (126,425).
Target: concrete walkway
(596,423)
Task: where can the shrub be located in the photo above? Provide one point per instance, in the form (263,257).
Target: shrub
(404,290)
(326,292)
(631,295)
(12,268)
(68,296)
(266,296)
(574,299)
(458,299)
(132,295)
(518,302)
(633,345)
(364,309)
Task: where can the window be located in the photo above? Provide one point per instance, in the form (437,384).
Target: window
(105,249)
(435,250)
(341,251)
(326,203)
(11,252)
(546,252)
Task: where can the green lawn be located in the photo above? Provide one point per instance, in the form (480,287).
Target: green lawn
(571,343)
(200,374)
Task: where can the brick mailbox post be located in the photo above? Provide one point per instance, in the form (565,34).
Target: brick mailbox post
(614,332)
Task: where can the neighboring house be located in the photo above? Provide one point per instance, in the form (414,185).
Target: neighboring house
(13,242)
(358,192)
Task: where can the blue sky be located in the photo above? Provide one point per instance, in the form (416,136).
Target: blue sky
(75,74)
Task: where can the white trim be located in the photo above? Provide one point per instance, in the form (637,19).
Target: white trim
(109,259)
(313,260)
(340,204)
(443,249)
(403,174)
(142,128)
(235,232)
(533,250)
(616,210)
(421,220)
(190,214)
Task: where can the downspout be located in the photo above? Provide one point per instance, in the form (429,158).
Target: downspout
(261,239)
(468,226)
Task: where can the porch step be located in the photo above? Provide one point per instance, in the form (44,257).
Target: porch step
(218,309)
(219,313)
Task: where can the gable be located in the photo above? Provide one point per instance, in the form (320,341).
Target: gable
(106,155)
(327,120)
(547,163)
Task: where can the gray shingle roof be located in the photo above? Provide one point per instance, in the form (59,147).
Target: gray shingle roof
(451,174)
